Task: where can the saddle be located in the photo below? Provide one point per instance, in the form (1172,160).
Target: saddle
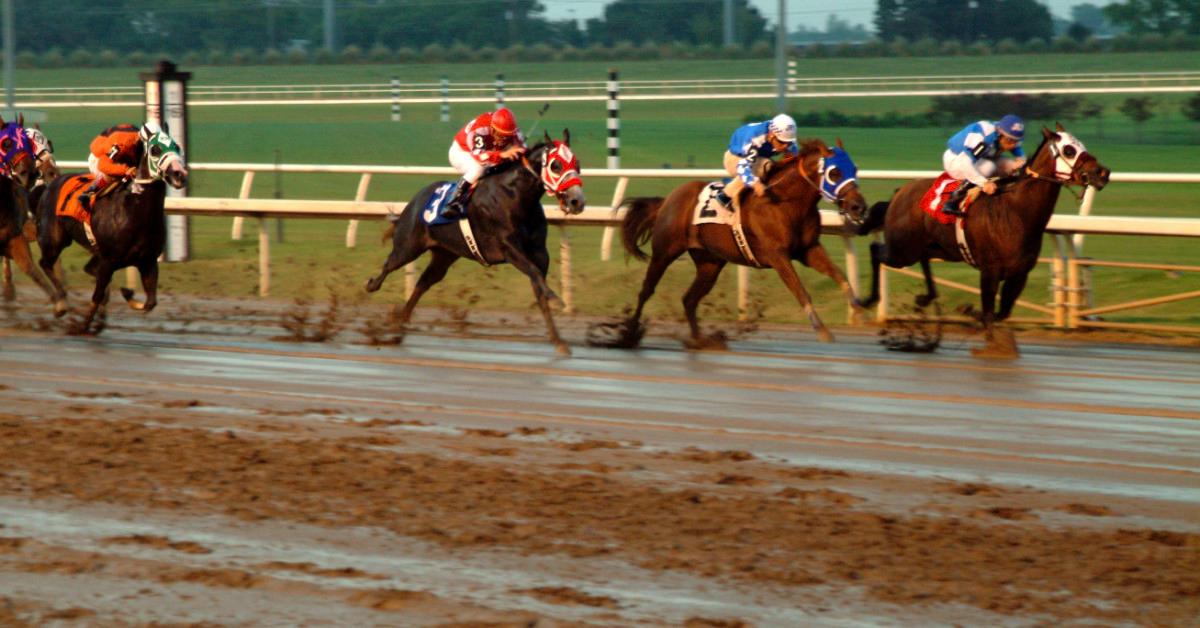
(68,197)
(710,210)
(935,198)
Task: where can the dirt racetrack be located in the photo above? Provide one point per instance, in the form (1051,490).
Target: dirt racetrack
(192,468)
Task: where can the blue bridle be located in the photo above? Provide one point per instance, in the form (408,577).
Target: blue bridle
(839,160)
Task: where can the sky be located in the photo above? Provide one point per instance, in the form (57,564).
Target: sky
(811,13)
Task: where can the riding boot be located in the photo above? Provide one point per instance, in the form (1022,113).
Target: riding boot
(955,199)
(457,207)
(88,196)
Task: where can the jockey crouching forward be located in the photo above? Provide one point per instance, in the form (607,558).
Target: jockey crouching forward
(116,154)
(488,140)
(750,144)
(973,155)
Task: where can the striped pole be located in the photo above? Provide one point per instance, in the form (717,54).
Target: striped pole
(395,99)
(445,99)
(791,75)
(614,121)
(614,157)
(499,91)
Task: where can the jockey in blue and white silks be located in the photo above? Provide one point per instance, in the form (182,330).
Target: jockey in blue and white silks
(974,154)
(751,143)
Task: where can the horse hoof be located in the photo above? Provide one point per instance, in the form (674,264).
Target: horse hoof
(923,300)
(60,309)
(824,335)
(713,342)
(10,294)
(371,286)
(626,334)
(866,303)
(562,349)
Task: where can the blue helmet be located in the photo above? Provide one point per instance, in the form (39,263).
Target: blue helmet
(1012,126)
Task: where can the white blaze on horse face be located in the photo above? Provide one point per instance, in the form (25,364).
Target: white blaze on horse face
(1067,150)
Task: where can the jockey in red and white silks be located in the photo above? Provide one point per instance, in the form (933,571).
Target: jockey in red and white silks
(488,140)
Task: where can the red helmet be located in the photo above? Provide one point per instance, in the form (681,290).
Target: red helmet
(503,122)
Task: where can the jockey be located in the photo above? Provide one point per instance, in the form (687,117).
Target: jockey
(750,144)
(116,154)
(488,140)
(973,155)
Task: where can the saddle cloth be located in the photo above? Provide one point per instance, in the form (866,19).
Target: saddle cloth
(68,197)
(709,209)
(935,198)
(432,212)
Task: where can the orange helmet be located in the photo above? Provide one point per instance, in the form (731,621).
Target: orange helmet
(503,122)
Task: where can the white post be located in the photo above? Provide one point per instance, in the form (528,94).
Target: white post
(499,91)
(395,99)
(264,258)
(607,239)
(568,292)
(1058,280)
(791,76)
(851,274)
(243,194)
(445,99)
(881,311)
(361,195)
(1085,209)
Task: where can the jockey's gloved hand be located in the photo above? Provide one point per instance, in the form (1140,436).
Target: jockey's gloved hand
(989,187)
(759,188)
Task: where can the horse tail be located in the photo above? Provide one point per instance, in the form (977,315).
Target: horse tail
(638,222)
(388,233)
(875,217)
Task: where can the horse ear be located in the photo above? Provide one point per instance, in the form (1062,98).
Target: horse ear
(548,140)
(21,119)
(825,150)
(1046,133)
(2,122)
(839,144)
(567,137)
(37,125)
(1059,127)
(165,128)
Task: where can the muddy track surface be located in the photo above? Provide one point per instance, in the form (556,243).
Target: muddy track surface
(197,468)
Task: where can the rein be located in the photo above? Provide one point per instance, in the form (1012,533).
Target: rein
(1054,179)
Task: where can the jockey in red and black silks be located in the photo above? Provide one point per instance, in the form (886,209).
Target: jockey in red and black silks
(489,140)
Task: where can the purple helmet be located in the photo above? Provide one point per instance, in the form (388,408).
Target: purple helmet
(1012,126)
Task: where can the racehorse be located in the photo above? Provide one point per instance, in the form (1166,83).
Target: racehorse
(129,226)
(782,225)
(1003,232)
(19,162)
(505,212)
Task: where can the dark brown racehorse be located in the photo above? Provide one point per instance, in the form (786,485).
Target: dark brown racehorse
(20,162)
(782,225)
(1003,231)
(507,219)
(129,225)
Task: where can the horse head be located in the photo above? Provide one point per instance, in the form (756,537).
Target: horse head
(162,160)
(559,170)
(1068,160)
(834,174)
(43,151)
(16,152)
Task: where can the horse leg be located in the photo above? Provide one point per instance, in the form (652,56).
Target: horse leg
(931,293)
(517,257)
(817,258)
(1013,286)
(18,250)
(659,261)
(149,273)
(103,273)
(401,255)
(439,263)
(10,291)
(51,266)
(708,268)
(783,265)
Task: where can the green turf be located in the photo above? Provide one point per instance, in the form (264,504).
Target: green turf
(312,259)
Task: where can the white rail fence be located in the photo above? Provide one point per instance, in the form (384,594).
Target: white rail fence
(383,92)
(1070,308)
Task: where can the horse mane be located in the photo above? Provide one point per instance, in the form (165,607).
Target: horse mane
(807,147)
(505,166)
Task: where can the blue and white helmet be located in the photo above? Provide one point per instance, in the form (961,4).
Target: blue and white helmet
(784,127)
(1012,126)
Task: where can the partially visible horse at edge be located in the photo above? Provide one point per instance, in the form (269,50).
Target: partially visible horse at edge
(22,164)
(507,218)
(1003,231)
(782,225)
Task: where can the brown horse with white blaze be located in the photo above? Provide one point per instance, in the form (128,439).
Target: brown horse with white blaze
(1003,232)
(782,225)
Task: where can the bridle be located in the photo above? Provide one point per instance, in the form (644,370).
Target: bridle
(1073,165)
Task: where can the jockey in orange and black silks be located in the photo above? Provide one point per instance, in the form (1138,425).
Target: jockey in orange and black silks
(117,153)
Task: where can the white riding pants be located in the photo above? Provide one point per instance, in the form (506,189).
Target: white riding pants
(465,163)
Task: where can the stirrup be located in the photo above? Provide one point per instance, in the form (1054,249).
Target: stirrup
(953,211)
